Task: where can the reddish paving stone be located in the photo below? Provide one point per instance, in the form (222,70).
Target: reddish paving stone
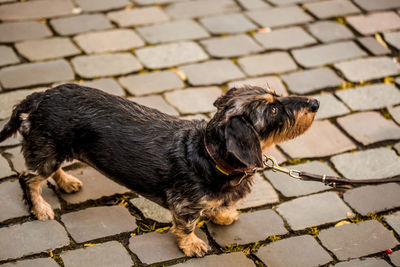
(369,127)
(279,16)
(20,31)
(373,46)
(329,31)
(7,56)
(371,5)
(228,24)
(395,113)
(152,210)
(12,204)
(199,8)
(272,82)
(295,251)
(284,38)
(321,140)
(395,257)
(81,23)
(102,5)
(332,8)
(138,16)
(107,85)
(368,262)
(9,99)
(42,262)
(394,221)
(223,260)
(356,240)
(156,102)
(329,107)
(261,64)
(375,22)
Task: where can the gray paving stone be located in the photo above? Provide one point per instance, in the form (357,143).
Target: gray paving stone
(395,258)
(267,81)
(12,141)
(199,8)
(306,81)
(287,2)
(24,30)
(36,9)
(261,64)
(394,221)
(369,127)
(102,5)
(321,140)
(370,97)
(284,38)
(105,64)
(173,31)
(168,55)
(250,227)
(8,100)
(80,23)
(368,68)
(149,83)
(332,8)
(231,46)
(104,41)
(138,16)
(157,102)
(397,147)
(7,56)
(212,72)
(368,262)
(371,5)
(368,164)
(395,113)
(315,210)
(30,238)
(12,203)
(42,262)
(372,199)
(328,31)
(327,53)
(93,223)
(374,22)
(223,260)
(29,74)
(356,240)
(253,4)
(103,255)
(47,48)
(290,187)
(152,210)
(107,85)
(228,24)
(152,2)
(373,46)
(5,170)
(16,157)
(295,251)
(279,16)
(277,154)
(196,100)
(50,196)
(329,107)
(393,38)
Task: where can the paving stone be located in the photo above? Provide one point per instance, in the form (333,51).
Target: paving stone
(223,260)
(155,247)
(197,100)
(295,251)
(368,164)
(329,107)
(371,5)
(8,100)
(138,16)
(332,8)
(7,56)
(107,85)
(212,72)
(373,46)
(42,262)
(231,46)
(368,262)
(284,38)
(287,2)
(321,140)
(47,48)
(372,199)
(328,31)
(12,141)
(369,127)
(29,74)
(277,154)
(152,210)
(50,196)
(102,5)
(306,81)
(395,258)
(12,203)
(173,31)
(36,9)
(374,22)
(315,210)
(368,68)
(395,113)
(16,157)
(81,23)
(105,64)
(393,38)
(290,187)
(279,16)
(93,223)
(228,24)
(156,102)
(261,64)
(195,117)
(250,227)
(199,8)
(397,147)
(253,4)
(262,193)
(19,31)
(394,221)
(267,81)
(152,2)
(27,238)
(356,240)
(327,53)
(5,170)
(168,55)
(103,255)
(369,97)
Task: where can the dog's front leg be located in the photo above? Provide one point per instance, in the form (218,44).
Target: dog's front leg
(222,215)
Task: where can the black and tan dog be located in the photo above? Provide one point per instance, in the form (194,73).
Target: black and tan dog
(193,168)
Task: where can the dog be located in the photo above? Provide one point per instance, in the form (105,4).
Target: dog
(193,168)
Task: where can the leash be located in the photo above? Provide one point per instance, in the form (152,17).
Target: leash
(333,181)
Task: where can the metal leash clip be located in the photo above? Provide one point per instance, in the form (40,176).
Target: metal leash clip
(270,162)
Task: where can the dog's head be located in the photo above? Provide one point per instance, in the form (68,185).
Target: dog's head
(250,119)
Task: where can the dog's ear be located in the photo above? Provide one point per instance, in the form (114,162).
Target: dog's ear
(242,142)
(222,100)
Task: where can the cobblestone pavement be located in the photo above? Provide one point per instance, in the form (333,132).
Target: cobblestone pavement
(178,56)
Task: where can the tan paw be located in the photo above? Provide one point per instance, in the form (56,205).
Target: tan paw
(193,246)
(225,217)
(70,184)
(43,211)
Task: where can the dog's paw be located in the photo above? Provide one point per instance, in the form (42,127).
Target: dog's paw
(43,211)
(193,246)
(225,217)
(70,184)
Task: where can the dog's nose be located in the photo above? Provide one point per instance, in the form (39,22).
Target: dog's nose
(314,105)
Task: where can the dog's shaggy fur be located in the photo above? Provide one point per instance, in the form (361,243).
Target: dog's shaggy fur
(158,156)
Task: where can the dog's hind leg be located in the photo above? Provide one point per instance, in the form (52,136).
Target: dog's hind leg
(66,182)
